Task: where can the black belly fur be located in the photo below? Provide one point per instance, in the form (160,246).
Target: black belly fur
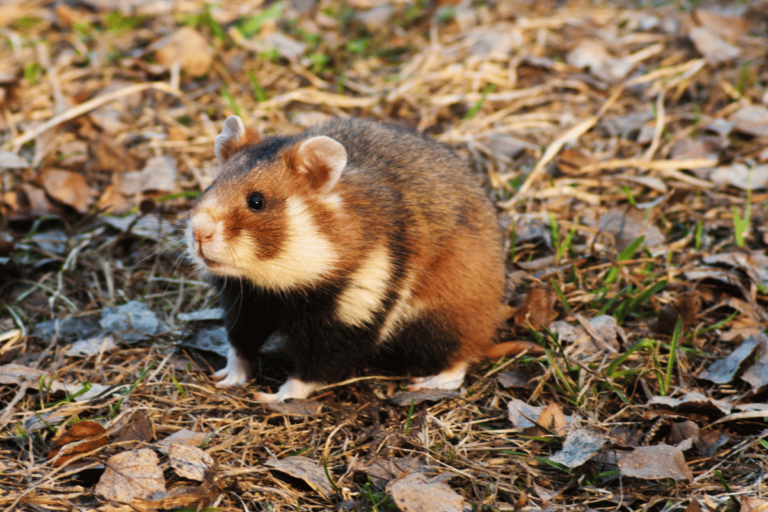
(325,349)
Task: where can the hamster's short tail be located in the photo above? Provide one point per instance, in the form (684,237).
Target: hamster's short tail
(513,348)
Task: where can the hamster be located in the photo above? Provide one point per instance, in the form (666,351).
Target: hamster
(356,242)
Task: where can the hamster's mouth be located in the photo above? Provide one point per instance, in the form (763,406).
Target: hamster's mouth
(211,263)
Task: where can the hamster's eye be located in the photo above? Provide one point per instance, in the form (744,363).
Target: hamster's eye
(207,189)
(256,202)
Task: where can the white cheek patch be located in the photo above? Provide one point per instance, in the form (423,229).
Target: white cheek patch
(304,258)
(406,309)
(361,299)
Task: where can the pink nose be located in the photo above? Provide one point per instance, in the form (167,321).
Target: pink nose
(203,227)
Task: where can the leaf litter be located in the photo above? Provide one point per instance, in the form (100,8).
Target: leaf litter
(624,146)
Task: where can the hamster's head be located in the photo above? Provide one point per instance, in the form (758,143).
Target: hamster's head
(262,218)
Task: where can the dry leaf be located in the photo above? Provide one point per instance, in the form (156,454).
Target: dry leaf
(754,263)
(579,446)
(26,203)
(570,161)
(90,435)
(189,461)
(377,18)
(654,462)
(183,436)
(69,188)
(605,333)
(91,346)
(384,470)
(712,47)
(741,176)
(404,398)
(295,408)
(692,400)
(753,505)
(138,429)
(10,160)
(594,55)
(523,415)
(191,50)
(285,46)
(517,377)
(131,475)
(683,431)
(686,307)
(751,119)
(158,175)
(729,28)
(305,469)
(132,322)
(16,374)
(415,493)
(709,442)
(757,374)
(538,309)
(109,156)
(553,419)
(626,225)
(724,370)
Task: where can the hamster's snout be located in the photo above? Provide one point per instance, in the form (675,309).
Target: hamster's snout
(203,230)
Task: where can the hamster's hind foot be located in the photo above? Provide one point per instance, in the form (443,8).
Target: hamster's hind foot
(451,378)
(293,388)
(236,373)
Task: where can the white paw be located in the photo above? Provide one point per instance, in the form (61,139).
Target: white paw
(293,388)
(236,373)
(449,379)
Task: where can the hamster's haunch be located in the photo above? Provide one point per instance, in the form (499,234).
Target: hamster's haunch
(359,244)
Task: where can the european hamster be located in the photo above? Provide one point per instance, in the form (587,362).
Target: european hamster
(360,244)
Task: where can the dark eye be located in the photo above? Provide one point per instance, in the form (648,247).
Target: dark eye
(256,202)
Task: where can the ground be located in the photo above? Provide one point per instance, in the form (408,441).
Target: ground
(624,144)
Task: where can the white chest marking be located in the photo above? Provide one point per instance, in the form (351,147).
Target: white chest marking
(362,297)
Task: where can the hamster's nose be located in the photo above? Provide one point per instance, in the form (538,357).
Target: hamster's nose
(203,227)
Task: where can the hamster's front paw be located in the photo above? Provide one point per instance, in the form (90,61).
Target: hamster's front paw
(293,388)
(236,373)
(449,379)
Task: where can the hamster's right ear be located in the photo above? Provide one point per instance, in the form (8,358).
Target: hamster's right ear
(233,136)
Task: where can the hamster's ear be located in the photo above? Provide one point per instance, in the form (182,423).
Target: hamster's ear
(233,136)
(322,159)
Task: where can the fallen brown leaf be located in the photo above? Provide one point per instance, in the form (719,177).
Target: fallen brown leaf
(131,475)
(416,493)
(305,469)
(69,188)
(553,419)
(88,435)
(191,50)
(190,461)
(538,309)
(654,462)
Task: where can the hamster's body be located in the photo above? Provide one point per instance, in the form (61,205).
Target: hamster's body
(359,243)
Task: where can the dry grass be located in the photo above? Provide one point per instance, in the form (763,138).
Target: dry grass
(558,152)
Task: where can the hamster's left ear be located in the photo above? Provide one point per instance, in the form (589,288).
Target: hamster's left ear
(322,160)
(233,136)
